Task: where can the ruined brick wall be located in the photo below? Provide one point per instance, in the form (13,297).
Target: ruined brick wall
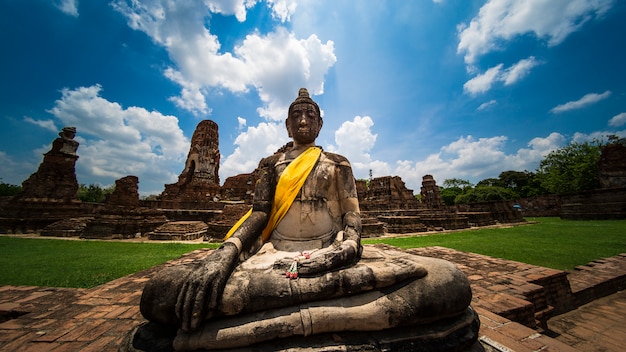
(602,204)
(240,187)
(388,192)
(126,192)
(549,205)
(612,166)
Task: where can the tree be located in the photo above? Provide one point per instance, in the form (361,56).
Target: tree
(94,193)
(453,187)
(571,169)
(7,190)
(485,194)
(488,182)
(448,195)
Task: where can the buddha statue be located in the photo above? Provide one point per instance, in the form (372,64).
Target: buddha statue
(294,268)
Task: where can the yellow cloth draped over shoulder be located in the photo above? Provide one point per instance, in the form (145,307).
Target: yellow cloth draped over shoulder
(289,184)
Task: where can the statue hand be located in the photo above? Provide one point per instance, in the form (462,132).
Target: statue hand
(339,257)
(200,294)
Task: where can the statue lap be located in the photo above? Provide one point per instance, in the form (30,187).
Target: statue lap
(386,289)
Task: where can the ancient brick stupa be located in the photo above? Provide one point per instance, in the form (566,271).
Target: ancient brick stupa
(430,193)
(49,194)
(55,180)
(199,182)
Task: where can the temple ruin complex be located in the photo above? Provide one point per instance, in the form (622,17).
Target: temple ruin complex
(48,204)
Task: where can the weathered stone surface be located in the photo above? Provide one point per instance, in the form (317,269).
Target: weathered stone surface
(179,231)
(382,277)
(72,227)
(430,193)
(55,179)
(48,195)
(388,192)
(612,166)
(295,266)
(602,204)
(231,213)
(126,192)
(199,182)
(500,212)
(240,187)
(455,334)
(116,222)
(549,205)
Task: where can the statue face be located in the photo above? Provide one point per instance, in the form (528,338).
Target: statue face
(304,124)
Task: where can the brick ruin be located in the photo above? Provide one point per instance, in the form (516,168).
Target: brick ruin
(429,193)
(185,207)
(55,180)
(612,166)
(49,194)
(387,206)
(120,217)
(199,182)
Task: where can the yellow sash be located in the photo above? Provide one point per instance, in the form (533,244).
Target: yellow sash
(289,184)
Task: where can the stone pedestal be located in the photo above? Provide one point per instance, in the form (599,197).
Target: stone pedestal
(455,334)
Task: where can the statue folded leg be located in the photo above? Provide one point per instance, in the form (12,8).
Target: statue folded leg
(443,292)
(255,284)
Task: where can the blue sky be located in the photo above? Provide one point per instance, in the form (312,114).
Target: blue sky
(453,88)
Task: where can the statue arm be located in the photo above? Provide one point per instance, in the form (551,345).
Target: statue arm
(200,295)
(345,250)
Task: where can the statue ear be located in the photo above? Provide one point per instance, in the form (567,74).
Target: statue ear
(288,129)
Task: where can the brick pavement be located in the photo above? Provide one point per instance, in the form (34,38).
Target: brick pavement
(514,301)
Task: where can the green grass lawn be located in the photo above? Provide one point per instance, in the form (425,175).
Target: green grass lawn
(552,242)
(80,263)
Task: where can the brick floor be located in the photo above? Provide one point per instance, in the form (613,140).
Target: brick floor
(509,297)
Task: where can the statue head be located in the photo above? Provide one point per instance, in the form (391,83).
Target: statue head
(304,120)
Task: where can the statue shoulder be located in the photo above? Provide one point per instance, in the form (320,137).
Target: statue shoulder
(270,161)
(336,158)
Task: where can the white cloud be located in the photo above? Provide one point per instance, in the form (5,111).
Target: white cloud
(239,8)
(68,7)
(518,71)
(191,97)
(253,145)
(45,124)
(279,64)
(476,159)
(355,139)
(276,64)
(483,82)
(618,120)
(499,21)
(597,135)
(588,99)
(282,9)
(116,141)
(241,122)
(486,105)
